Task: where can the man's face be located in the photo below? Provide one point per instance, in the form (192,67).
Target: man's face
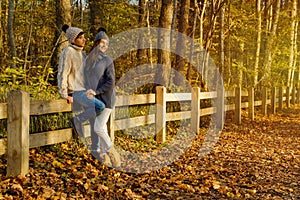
(80,41)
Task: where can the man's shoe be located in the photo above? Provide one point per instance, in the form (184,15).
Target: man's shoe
(114,157)
(77,126)
(104,158)
(96,155)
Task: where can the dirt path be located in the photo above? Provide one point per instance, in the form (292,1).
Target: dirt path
(256,160)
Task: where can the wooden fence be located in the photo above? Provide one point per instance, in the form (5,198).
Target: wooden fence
(18,109)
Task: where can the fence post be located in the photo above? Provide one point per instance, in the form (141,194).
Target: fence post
(273,101)
(220,113)
(264,101)
(294,95)
(18,110)
(287,94)
(251,103)
(161,112)
(280,101)
(298,95)
(238,105)
(195,110)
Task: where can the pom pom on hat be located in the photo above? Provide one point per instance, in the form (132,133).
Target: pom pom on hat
(101,29)
(101,35)
(71,32)
(65,27)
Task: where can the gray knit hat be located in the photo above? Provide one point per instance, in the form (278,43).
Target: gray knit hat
(71,32)
(101,35)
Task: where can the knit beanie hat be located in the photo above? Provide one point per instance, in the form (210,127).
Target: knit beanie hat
(71,32)
(101,35)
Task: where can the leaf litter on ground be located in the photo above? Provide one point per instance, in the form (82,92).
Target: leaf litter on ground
(258,159)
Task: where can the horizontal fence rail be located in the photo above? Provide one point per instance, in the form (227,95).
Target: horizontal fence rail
(19,109)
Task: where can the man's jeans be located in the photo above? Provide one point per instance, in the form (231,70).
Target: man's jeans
(90,107)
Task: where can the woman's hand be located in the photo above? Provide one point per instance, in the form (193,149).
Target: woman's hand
(90,93)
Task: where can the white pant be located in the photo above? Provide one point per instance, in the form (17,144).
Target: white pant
(100,128)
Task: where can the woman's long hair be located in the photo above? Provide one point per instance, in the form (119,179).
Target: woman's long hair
(96,43)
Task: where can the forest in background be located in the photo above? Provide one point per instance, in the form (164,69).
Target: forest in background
(253,43)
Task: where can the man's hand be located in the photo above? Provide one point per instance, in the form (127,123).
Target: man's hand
(69,99)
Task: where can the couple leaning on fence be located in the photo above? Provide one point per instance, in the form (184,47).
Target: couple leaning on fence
(88,82)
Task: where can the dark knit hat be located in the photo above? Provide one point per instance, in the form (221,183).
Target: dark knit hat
(101,35)
(72,32)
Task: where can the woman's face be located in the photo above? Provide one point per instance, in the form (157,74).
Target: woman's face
(80,41)
(103,46)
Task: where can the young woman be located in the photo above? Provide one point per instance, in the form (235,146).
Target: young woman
(100,78)
(71,80)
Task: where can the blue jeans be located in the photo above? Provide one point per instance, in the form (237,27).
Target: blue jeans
(90,107)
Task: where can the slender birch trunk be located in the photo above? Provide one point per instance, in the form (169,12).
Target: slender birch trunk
(292,43)
(258,42)
(269,43)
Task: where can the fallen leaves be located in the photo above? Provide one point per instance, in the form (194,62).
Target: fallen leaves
(258,160)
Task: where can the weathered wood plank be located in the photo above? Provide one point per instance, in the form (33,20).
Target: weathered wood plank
(264,101)
(273,100)
(40,107)
(178,97)
(160,116)
(133,122)
(220,107)
(229,107)
(195,118)
(208,95)
(280,99)
(3,146)
(230,93)
(135,99)
(178,115)
(3,110)
(251,103)
(50,137)
(208,111)
(18,133)
(42,139)
(238,105)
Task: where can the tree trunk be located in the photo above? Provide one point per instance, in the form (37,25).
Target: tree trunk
(29,40)
(63,16)
(96,13)
(181,46)
(258,43)
(201,25)
(215,8)
(164,57)
(1,33)
(227,71)
(192,49)
(141,52)
(270,40)
(296,75)
(222,39)
(292,43)
(12,44)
